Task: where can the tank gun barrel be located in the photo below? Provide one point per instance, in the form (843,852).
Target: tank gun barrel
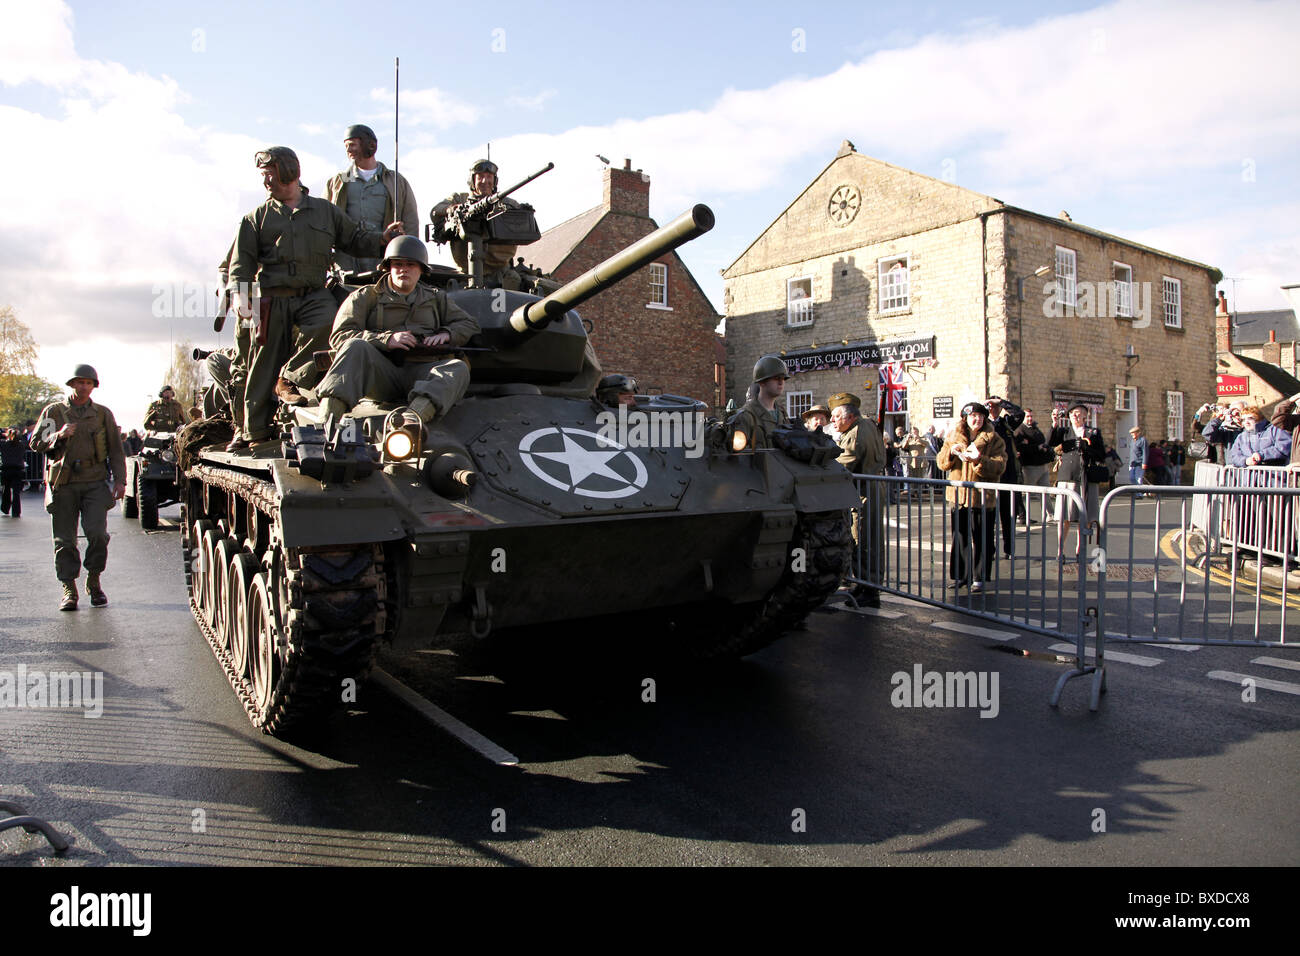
(535,316)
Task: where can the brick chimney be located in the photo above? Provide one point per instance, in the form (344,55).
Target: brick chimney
(1222,332)
(1272,351)
(627,190)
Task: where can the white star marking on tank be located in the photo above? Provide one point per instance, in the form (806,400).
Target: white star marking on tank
(587,457)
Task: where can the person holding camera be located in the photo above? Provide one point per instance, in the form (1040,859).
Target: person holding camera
(1082,469)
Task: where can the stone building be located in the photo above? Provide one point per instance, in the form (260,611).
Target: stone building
(1271,336)
(1259,371)
(879,276)
(656,325)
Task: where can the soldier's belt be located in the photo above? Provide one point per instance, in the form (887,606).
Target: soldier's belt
(283,292)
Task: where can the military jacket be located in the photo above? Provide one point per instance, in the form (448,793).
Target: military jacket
(376,312)
(758,423)
(89,453)
(164,416)
(862,451)
(336,191)
(293,248)
(495,257)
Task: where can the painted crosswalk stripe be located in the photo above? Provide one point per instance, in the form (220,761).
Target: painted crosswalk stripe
(896,599)
(1278,662)
(1234,678)
(1171,645)
(976,631)
(1119,656)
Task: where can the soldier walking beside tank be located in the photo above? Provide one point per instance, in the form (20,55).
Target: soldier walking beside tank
(862,452)
(378,325)
(82,445)
(371,194)
(165,414)
(759,416)
(497,257)
(286,245)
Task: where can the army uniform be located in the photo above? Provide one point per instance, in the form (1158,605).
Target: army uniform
(862,452)
(758,423)
(365,367)
(77,467)
(287,251)
(498,260)
(164,415)
(371,204)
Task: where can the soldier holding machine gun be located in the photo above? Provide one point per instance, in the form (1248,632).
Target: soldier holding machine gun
(463,218)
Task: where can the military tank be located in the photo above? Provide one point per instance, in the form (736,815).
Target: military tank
(527,504)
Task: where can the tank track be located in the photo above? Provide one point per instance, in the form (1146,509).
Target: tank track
(329,612)
(827,545)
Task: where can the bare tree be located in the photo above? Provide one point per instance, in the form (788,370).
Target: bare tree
(186,375)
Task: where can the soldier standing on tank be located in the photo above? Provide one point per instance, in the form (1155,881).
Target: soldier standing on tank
(165,414)
(380,323)
(82,445)
(286,245)
(862,452)
(617,389)
(759,416)
(498,271)
(371,194)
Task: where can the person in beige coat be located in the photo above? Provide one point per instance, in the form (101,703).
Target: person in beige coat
(972,452)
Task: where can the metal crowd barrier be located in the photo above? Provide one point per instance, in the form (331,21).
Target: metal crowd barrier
(35,477)
(1071,591)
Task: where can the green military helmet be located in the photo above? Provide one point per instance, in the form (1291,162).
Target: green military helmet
(769,366)
(162,392)
(406,247)
(283,159)
(85,371)
(482,166)
(362,132)
(611,386)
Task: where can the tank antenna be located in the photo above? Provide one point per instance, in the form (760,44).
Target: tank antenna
(397,178)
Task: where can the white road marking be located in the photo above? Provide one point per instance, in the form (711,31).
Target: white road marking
(1277,662)
(1119,656)
(1171,645)
(872,612)
(1235,678)
(435,714)
(897,599)
(961,628)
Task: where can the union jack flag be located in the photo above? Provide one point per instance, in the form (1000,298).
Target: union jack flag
(893,391)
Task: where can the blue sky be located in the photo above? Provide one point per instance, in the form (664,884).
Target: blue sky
(1172,124)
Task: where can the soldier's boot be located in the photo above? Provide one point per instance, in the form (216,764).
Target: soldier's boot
(287,392)
(97,596)
(425,408)
(69,602)
(331,407)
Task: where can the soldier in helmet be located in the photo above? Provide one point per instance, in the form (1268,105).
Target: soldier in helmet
(165,414)
(370,193)
(862,452)
(82,445)
(380,323)
(498,271)
(760,416)
(285,245)
(616,389)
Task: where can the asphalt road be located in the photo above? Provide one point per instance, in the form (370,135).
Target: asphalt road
(797,755)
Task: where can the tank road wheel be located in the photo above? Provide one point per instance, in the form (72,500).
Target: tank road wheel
(735,632)
(198,563)
(238,579)
(208,559)
(146,493)
(223,558)
(261,636)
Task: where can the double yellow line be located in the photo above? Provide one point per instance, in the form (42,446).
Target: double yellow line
(1267,592)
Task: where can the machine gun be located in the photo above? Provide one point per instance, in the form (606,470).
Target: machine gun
(488,219)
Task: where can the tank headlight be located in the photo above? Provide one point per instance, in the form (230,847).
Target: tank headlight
(399,445)
(738,440)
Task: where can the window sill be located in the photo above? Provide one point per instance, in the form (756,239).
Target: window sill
(1176,328)
(656,305)
(798,328)
(894,313)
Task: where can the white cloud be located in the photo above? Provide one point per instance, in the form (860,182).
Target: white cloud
(431,107)
(533,103)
